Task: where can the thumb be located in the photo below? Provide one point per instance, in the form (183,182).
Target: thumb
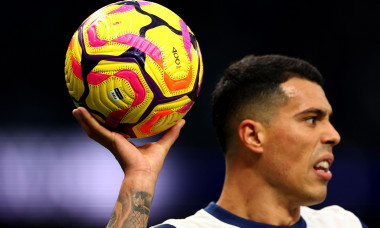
(171,135)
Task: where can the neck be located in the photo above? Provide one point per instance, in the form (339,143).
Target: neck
(246,195)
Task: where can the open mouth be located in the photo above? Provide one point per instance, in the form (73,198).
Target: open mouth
(322,166)
(322,169)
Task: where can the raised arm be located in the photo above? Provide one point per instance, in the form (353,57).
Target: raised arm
(141,166)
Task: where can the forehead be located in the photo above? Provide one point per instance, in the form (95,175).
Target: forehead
(304,94)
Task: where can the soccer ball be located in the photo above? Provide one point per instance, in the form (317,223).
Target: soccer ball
(136,66)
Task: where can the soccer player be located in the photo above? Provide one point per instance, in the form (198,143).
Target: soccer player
(272,119)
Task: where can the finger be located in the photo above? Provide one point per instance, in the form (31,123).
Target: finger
(78,116)
(92,127)
(171,135)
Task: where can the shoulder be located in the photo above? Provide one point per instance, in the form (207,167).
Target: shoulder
(198,220)
(331,216)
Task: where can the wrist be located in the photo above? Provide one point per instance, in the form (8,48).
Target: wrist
(141,181)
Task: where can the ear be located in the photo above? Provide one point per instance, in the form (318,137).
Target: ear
(251,135)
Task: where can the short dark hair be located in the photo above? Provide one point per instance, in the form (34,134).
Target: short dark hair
(254,82)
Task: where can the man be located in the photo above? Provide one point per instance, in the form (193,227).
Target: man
(271,116)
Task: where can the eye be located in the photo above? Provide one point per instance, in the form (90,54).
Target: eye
(311,119)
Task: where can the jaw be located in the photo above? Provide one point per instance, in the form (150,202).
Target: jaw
(306,189)
(318,180)
(316,191)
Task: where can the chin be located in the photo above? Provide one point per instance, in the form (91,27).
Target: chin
(315,197)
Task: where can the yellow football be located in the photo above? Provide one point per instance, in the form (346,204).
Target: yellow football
(136,66)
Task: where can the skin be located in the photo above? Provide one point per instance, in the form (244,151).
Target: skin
(141,166)
(270,171)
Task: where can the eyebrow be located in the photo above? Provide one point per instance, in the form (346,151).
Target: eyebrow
(319,112)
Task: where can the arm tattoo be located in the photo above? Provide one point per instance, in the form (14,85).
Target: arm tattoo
(135,208)
(140,203)
(113,220)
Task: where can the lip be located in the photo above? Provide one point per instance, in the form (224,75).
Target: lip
(324,175)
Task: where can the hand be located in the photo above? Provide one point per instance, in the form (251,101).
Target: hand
(141,166)
(145,160)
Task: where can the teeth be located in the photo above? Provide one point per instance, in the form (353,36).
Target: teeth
(323,164)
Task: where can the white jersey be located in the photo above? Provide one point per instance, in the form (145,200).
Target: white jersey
(215,216)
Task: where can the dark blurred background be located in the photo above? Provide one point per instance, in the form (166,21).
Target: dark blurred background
(52,175)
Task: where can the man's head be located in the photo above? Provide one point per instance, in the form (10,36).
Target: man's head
(251,88)
(272,113)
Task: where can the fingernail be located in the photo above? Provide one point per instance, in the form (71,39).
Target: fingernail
(182,123)
(74,111)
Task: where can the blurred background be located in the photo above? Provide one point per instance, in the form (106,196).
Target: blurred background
(52,175)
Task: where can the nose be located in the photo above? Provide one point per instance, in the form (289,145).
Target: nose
(331,136)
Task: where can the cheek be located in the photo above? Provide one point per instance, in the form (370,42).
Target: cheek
(288,151)
(288,136)
(286,142)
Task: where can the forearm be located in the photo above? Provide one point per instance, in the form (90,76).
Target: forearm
(133,204)
(141,166)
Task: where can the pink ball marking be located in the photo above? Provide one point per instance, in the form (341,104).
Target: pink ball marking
(125,8)
(122,9)
(186,107)
(145,3)
(95,78)
(142,44)
(186,37)
(129,39)
(114,118)
(136,85)
(77,69)
(92,36)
